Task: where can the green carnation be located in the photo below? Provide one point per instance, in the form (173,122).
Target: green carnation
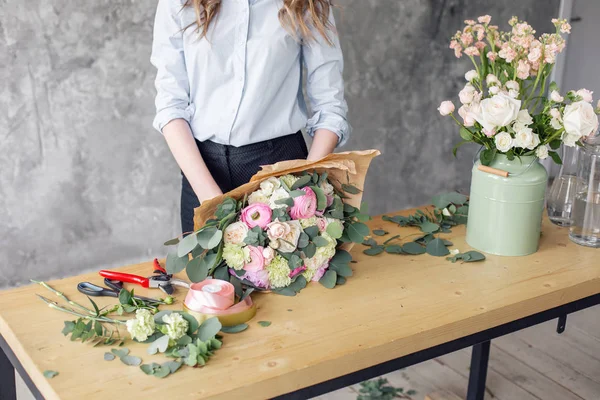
(306,222)
(289,180)
(279,272)
(235,255)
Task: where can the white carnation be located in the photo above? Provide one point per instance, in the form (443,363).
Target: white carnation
(175,326)
(142,326)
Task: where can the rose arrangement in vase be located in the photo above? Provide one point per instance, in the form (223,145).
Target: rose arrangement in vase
(506,110)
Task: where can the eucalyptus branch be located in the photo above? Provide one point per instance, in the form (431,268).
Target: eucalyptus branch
(62,296)
(54,305)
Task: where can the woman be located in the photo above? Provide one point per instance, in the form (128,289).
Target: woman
(229,86)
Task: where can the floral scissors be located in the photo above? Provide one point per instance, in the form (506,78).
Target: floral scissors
(160,279)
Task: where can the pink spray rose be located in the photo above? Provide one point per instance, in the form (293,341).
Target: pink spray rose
(257,214)
(297,271)
(320,272)
(304,206)
(321,224)
(257,259)
(268,255)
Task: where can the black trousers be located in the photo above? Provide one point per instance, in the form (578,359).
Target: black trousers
(233,166)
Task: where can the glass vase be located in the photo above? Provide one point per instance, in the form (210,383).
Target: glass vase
(585,229)
(559,202)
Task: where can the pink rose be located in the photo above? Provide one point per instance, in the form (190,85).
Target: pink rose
(297,271)
(304,206)
(446,108)
(259,279)
(257,214)
(257,260)
(268,255)
(320,272)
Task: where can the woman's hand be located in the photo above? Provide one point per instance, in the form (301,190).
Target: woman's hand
(324,142)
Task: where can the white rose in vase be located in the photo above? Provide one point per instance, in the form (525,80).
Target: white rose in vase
(504,142)
(524,138)
(579,120)
(497,111)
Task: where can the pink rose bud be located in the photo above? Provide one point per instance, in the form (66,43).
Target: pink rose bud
(297,271)
(304,206)
(257,259)
(446,108)
(320,272)
(257,214)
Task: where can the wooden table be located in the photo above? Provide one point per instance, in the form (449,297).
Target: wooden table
(394,312)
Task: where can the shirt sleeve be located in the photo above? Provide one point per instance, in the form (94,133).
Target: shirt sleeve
(172,85)
(325,85)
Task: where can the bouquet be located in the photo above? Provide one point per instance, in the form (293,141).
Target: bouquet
(292,224)
(504,105)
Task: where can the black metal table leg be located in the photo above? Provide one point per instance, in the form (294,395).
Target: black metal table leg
(478,374)
(8,389)
(562,324)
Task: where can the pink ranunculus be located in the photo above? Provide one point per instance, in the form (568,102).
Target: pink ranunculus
(297,271)
(320,272)
(257,259)
(257,214)
(259,279)
(304,206)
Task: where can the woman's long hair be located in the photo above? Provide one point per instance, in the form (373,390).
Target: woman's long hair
(299,17)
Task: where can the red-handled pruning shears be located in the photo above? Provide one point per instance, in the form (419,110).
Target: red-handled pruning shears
(160,280)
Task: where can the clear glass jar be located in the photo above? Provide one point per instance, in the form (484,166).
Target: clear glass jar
(585,227)
(559,200)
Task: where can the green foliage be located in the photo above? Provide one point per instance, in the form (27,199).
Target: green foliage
(264,324)
(437,248)
(379,389)
(49,374)
(256,237)
(234,329)
(469,256)
(348,188)
(329,279)
(380,232)
(301,182)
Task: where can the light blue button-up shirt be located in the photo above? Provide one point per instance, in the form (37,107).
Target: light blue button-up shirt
(242,84)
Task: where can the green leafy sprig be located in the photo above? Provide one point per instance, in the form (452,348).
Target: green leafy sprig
(379,389)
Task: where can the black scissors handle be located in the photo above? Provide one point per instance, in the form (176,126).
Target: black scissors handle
(90,289)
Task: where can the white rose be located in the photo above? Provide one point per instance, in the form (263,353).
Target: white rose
(524,118)
(491,79)
(555,123)
(494,90)
(258,197)
(446,108)
(513,93)
(542,152)
(269,185)
(235,233)
(288,243)
(503,141)
(524,138)
(586,95)
(569,139)
(471,75)
(327,188)
(555,113)
(556,97)
(536,141)
(467,95)
(580,119)
(466,115)
(499,110)
(512,85)
(277,230)
(278,194)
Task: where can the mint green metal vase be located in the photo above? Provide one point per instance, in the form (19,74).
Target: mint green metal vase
(505,213)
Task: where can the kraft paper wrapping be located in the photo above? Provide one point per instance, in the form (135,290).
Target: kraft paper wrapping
(339,167)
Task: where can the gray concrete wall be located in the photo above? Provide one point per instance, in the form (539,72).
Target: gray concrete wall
(86,183)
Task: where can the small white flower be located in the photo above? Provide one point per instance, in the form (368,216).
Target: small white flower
(555,113)
(513,93)
(446,108)
(494,90)
(524,138)
(524,118)
(258,197)
(142,326)
(491,79)
(471,75)
(454,252)
(175,325)
(555,123)
(586,95)
(503,141)
(512,85)
(556,97)
(542,152)
(467,94)
(269,185)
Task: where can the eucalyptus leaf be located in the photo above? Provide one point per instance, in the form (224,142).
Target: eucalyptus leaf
(221,273)
(341,269)
(171,242)
(373,251)
(209,328)
(210,237)
(429,227)
(357,231)
(131,360)
(394,249)
(286,291)
(68,328)
(340,280)
(303,240)
(288,201)
(297,193)
(298,284)
(234,329)
(380,232)
(350,189)
(329,279)
(311,231)
(159,345)
(109,356)
(175,264)
(321,198)
(310,250)
(197,268)
(173,365)
(264,324)
(413,248)
(120,352)
(187,244)
(437,248)
(320,241)
(147,369)
(49,374)
(301,182)
(162,371)
(335,230)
